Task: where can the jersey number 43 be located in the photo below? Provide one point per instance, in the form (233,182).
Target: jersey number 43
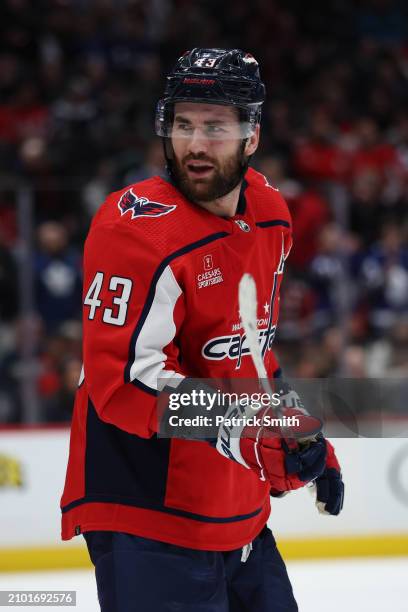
(116,313)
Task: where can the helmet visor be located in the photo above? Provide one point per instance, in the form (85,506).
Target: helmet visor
(169,126)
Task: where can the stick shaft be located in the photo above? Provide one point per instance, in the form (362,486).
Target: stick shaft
(248,307)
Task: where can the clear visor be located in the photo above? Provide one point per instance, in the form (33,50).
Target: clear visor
(213,129)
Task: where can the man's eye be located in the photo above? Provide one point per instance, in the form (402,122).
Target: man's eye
(183,127)
(215,129)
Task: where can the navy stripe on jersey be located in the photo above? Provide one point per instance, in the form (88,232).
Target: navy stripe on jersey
(241,207)
(105,499)
(150,296)
(279,270)
(273,223)
(271,309)
(143,387)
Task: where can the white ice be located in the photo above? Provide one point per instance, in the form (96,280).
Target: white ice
(373,585)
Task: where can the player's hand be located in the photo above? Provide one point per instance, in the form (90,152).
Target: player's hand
(285,469)
(330,486)
(263,449)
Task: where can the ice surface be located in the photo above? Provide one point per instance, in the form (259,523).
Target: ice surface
(350,585)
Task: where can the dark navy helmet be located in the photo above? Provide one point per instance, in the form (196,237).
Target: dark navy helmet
(214,76)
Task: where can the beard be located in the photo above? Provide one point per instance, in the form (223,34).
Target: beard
(225,177)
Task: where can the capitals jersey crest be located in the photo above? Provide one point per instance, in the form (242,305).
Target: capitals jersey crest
(142,207)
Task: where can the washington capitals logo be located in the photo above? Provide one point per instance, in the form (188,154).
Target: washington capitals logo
(142,207)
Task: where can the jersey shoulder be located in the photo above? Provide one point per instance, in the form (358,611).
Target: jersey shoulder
(144,200)
(153,216)
(265,199)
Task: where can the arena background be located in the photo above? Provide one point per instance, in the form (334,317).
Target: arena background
(79,81)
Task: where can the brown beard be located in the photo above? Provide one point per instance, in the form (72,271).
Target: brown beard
(223,181)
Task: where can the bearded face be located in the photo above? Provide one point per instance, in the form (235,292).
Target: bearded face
(204,179)
(209,159)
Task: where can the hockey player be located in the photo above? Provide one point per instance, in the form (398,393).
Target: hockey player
(170,523)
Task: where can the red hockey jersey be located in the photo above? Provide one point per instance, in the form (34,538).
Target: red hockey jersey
(161,299)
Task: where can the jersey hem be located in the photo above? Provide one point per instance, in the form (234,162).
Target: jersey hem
(172,530)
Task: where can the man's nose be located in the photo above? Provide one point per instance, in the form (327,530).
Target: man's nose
(198,143)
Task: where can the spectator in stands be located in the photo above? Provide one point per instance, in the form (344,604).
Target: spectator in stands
(318,157)
(58,407)
(58,281)
(8,284)
(384,273)
(327,272)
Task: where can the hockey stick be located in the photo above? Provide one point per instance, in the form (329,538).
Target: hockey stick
(248,308)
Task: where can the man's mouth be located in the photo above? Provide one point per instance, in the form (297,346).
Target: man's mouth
(199,169)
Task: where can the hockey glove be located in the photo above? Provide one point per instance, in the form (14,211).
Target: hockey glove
(330,486)
(245,437)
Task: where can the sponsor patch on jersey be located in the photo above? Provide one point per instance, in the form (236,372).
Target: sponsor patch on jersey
(142,207)
(208,270)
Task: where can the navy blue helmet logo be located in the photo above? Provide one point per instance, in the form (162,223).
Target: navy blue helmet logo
(142,207)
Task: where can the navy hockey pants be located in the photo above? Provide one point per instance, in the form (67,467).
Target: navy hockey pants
(135,574)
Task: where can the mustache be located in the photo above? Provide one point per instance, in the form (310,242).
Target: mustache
(199,157)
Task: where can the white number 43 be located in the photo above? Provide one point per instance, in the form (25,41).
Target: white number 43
(117,314)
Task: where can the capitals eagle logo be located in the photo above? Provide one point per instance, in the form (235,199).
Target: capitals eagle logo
(142,207)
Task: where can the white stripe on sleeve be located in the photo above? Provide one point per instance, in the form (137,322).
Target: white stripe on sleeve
(157,332)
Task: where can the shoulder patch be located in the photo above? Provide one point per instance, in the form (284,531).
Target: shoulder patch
(142,207)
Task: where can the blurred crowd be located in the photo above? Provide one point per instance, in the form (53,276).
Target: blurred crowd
(79,80)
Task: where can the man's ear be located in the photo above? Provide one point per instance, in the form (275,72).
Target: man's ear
(252,142)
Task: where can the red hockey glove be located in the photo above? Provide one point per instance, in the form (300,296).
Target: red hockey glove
(288,459)
(246,436)
(330,486)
